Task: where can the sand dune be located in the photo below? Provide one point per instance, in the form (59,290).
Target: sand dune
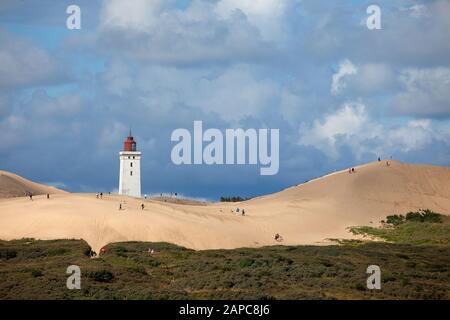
(305,214)
(12,185)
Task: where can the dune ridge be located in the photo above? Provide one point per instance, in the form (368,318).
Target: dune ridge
(308,213)
(12,185)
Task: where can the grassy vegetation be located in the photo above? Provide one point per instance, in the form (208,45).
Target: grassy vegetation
(423,227)
(31,269)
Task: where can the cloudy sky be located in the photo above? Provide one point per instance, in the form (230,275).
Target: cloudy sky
(340,94)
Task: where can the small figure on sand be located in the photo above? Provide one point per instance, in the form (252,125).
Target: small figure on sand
(142,206)
(48,196)
(96,195)
(120,206)
(278,238)
(353,170)
(101,195)
(31,196)
(243,212)
(145,196)
(387,163)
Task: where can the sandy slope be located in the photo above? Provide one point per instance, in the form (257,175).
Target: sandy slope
(304,214)
(12,185)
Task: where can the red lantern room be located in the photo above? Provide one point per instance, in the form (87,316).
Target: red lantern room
(129,144)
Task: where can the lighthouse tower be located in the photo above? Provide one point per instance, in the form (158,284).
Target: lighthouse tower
(130,169)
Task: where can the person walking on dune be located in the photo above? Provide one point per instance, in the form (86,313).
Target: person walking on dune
(142,206)
(120,206)
(31,196)
(48,196)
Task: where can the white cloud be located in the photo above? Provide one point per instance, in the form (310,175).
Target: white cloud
(137,15)
(415,135)
(64,106)
(426,92)
(22,64)
(266,15)
(160,33)
(417,10)
(373,78)
(346,67)
(348,123)
(117,79)
(351,126)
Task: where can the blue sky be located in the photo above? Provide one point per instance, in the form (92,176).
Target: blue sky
(340,94)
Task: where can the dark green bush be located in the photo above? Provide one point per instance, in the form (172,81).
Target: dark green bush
(101,275)
(56,252)
(416,216)
(233,199)
(395,219)
(246,262)
(428,216)
(7,254)
(36,273)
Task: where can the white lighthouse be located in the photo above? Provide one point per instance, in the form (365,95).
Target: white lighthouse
(130,169)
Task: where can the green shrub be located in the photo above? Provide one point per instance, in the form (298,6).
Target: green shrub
(360,287)
(424,216)
(101,275)
(414,217)
(8,254)
(36,273)
(56,252)
(395,219)
(246,262)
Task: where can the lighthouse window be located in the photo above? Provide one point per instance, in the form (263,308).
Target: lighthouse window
(133,157)
(128,157)
(131,173)
(131,164)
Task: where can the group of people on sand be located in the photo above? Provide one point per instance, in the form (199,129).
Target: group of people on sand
(172,195)
(387,162)
(30,195)
(100,195)
(237,211)
(352,170)
(121,208)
